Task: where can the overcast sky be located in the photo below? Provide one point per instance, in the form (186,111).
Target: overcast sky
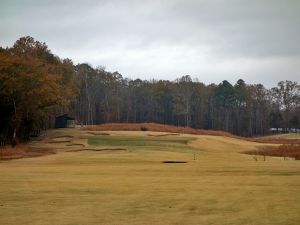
(212,40)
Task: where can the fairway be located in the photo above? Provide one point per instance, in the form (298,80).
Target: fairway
(119,177)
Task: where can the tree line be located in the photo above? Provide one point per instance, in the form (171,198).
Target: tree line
(36,86)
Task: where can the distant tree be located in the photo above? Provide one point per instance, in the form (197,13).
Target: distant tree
(241,111)
(287,95)
(294,122)
(259,108)
(199,104)
(182,98)
(225,100)
(275,118)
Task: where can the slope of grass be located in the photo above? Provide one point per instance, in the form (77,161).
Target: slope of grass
(221,186)
(155,127)
(280,139)
(284,136)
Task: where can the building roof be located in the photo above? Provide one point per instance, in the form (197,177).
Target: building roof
(66,117)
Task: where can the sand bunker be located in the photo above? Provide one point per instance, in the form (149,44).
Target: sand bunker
(174,162)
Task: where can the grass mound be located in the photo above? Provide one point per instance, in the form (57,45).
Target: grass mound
(154,127)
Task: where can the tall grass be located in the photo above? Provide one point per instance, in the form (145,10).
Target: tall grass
(285,151)
(21,151)
(8,151)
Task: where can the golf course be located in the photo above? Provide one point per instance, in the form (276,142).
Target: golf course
(144,177)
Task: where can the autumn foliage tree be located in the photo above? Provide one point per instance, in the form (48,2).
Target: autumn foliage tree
(32,82)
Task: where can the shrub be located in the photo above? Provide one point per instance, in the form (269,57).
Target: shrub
(144,128)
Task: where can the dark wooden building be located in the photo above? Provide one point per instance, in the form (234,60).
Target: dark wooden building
(64,121)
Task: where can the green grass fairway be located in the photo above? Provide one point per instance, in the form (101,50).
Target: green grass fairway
(91,181)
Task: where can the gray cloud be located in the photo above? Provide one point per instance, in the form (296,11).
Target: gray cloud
(209,39)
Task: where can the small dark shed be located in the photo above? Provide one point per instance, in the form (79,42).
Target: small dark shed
(64,121)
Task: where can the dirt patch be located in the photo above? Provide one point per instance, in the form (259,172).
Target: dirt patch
(103,150)
(285,151)
(174,162)
(8,153)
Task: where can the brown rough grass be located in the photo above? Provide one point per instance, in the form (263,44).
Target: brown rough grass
(22,151)
(288,150)
(155,127)
(277,140)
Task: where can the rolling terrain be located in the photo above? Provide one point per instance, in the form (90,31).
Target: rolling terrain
(145,177)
